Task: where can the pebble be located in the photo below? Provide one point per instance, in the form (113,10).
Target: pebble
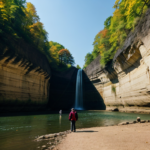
(44,146)
(49,143)
(50,148)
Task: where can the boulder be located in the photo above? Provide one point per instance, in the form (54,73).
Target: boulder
(49,143)
(61,133)
(142,121)
(123,123)
(40,137)
(138,119)
(134,121)
(57,134)
(45,137)
(49,136)
(44,146)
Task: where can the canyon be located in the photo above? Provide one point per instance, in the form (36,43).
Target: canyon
(27,82)
(124,83)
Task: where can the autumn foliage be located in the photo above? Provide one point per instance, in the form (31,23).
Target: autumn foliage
(19,20)
(116,28)
(65,57)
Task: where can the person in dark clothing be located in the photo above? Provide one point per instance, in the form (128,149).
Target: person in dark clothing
(73,117)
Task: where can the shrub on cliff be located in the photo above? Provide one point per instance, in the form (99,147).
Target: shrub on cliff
(116,29)
(78,67)
(88,59)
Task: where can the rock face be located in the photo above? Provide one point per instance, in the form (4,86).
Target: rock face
(27,83)
(92,100)
(125,82)
(24,77)
(62,89)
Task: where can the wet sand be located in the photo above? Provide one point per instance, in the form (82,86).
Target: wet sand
(124,137)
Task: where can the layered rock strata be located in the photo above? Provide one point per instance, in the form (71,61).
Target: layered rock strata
(24,77)
(125,82)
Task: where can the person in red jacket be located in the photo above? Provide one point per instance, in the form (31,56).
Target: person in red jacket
(73,117)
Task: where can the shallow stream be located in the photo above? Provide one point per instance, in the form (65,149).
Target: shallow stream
(18,132)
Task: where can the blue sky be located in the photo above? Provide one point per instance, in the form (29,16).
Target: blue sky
(74,23)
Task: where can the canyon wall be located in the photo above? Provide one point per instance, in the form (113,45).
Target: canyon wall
(124,83)
(92,100)
(24,78)
(62,89)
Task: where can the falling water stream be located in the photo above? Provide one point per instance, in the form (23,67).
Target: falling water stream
(79,91)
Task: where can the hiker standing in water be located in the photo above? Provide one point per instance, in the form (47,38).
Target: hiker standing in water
(73,117)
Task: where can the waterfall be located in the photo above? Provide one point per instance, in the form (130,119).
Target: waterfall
(79,91)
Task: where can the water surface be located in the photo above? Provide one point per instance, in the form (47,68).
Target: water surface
(18,132)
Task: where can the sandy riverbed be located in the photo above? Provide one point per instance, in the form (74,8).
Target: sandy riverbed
(124,137)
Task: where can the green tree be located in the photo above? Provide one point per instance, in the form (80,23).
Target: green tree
(88,59)
(66,57)
(54,50)
(19,20)
(107,22)
(116,28)
(78,67)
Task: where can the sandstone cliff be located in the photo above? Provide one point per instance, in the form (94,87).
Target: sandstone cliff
(24,77)
(124,83)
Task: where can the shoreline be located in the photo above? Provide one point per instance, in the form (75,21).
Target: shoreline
(133,109)
(52,139)
(56,139)
(125,137)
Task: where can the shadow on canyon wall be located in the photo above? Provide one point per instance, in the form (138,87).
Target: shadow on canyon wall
(92,98)
(62,89)
(62,92)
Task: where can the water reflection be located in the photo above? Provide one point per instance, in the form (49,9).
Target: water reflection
(60,119)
